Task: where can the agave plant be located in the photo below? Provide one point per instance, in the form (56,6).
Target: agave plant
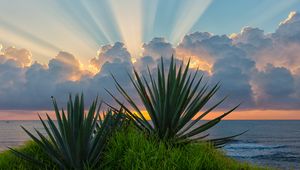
(173,102)
(78,139)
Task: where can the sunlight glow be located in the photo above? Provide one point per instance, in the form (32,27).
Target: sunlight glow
(187,16)
(45,46)
(271,11)
(92,69)
(129,21)
(247,115)
(100,26)
(149,14)
(11,33)
(24,42)
(197,63)
(128,15)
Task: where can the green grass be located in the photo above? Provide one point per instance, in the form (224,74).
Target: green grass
(8,161)
(130,149)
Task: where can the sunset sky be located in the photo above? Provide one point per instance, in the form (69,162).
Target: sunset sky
(56,47)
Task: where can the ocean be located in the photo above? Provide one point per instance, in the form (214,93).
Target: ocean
(267,143)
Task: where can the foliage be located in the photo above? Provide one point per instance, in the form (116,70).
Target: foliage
(130,149)
(78,139)
(172,100)
(9,161)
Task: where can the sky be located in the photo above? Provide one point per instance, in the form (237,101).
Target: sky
(56,47)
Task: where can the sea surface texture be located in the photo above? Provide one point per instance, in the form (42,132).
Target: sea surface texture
(269,143)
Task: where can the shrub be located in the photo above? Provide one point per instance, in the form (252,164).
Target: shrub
(130,149)
(78,139)
(172,100)
(9,161)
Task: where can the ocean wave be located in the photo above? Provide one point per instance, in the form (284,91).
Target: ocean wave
(277,156)
(282,156)
(252,146)
(259,151)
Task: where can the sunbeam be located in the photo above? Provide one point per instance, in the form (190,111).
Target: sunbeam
(101,18)
(186,16)
(149,14)
(45,34)
(11,33)
(128,15)
(26,35)
(83,20)
(268,11)
(39,51)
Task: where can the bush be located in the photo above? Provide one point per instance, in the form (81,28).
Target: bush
(129,149)
(78,139)
(9,161)
(173,100)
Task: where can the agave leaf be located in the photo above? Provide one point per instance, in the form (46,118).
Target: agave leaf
(26,157)
(228,137)
(48,131)
(209,124)
(173,98)
(63,146)
(185,129)
(75,141)
(139,122)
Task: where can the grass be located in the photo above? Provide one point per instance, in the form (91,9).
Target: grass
(10,161)
(130,149)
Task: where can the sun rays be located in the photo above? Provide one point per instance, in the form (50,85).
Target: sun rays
(130,21)
(187,15)
(128,16)
(81,27)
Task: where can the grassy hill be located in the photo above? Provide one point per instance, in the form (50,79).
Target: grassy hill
(129,149)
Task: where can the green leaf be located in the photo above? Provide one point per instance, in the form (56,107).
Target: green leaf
(76,140)
(173,98)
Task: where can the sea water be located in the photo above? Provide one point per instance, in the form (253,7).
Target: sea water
(269,143)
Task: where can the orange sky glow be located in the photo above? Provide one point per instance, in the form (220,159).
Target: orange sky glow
(237,115)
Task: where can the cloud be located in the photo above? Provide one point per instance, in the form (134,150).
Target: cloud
(230,65)
(158,47)
(276,82)
(261,70)
(65,67)
(22,57)
(249,64)
(275,88)
(191,45)
(116,53)
(288,30)
(281,48)
(30,87)
(251,39)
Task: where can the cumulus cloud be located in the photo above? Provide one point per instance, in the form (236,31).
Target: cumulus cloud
(249,64)
(281,48)
(116,53)
(261,70)
(158,47)
(21,57)
(30,87)
(251,39)
(275,88)
(288,30)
